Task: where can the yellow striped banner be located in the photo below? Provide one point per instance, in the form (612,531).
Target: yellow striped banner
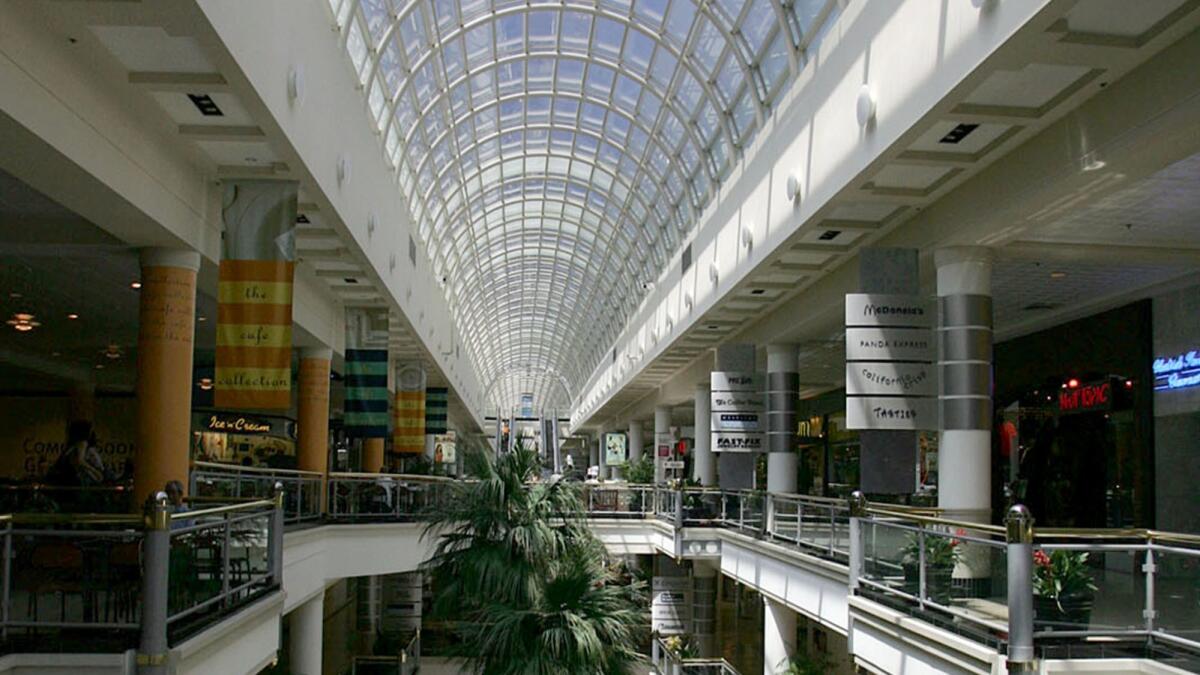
(408,422)
(254,334)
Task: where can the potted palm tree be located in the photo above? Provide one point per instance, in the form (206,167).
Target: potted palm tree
(524,579)
(1063,590)
(942,553)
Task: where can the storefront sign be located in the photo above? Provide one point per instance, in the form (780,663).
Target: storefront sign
(723,401)
(614,448)
(444,450)
(673,464)
(738,382)
(737,421)
(889,344)
(891,412)
(1177,372)
(671,605)
(874,309)
(734,441)
(237,424)
(1086,398)
(889,379)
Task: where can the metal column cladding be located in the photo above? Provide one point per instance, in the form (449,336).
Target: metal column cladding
(965,361)
(782,391)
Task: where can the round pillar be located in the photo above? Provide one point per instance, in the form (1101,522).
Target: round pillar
(662,435)
(166,335)
(704,462)
(312,410)
(602,452)
(965,397)
(635,441)
(779,636)
(372,455)
(783,386)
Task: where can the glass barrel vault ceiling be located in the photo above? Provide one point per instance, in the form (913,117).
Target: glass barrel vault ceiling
(554,155)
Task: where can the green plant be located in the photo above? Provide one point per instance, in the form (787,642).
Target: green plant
(1062,575)
(640,470)
(940,551)
(527,583)
(681,646)
(805,662)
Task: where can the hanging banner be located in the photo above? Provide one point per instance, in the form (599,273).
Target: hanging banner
(614,448)
(254,296)
(436,403)
(367,399)
(408,420)
(891,380)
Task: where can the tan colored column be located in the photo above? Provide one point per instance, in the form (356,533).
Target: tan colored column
(166,332)
(312,412)
(372,455)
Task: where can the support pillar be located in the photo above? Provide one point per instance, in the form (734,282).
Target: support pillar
(736,469)
(602,452)
(662,436)
(783,387)
(964,276)
(372,455)
(306,636)
(635,441)
(704,462)
(779,636)
(166,332)
(312,412)
(594,452)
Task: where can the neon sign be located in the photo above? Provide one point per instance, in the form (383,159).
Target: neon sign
(1086,398)
(1177,372)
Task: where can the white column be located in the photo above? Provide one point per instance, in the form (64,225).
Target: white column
(964,287)
(602,451)
(779,636)
(704,466)
(594,451)
(662,431)
(783,384)
(306,636)
(635,441)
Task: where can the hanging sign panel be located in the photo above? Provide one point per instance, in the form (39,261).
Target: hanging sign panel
(614,448)
(891,412)
(876,309)
(444,448)
(738,382)
(671,605)
(890,379)
(724,401)
(737,441)
(889,344)
(254,296)
(737,421)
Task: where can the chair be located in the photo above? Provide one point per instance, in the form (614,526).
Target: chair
(55,568)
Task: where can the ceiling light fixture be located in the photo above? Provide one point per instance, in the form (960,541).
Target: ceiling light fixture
(22,322)
(135,285)
(112,352)
(1058,275)
(202,319)
(205,383)
(72,316)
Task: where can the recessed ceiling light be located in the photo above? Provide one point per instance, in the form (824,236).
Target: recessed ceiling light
(15,296)
(72,316)
(135,285)
(1057,275)
(112,351)
(22,322)
(202,319)
(55,353)
(99,366)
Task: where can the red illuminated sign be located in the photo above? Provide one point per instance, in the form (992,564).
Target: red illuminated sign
(1086,398)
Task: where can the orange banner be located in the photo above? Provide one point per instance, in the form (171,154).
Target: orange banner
(408,422)
(254,335)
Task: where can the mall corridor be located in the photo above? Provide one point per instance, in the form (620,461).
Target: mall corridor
(594,337)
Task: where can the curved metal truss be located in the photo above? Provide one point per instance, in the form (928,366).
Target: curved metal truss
(554,154)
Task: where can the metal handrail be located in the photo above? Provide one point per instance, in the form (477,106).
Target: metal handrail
(218,510)
(238,468)
(930,520)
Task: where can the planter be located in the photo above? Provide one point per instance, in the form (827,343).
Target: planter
(1071,612)
(937,581)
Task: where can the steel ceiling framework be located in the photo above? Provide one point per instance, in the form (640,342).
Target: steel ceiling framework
(554,154)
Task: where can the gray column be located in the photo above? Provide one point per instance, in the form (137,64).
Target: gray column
(662,433)
(704,464)
(635,441)
(594,451)
(783,386)
(736,469)
(704,607)
(605,469)
(306,636)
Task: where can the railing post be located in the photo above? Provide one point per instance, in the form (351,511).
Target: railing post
(768,516)
(156,557)
(275,546)
(858,511)
(922,580)
(679,508)
(1019,529)
(1149,568)
(7,591)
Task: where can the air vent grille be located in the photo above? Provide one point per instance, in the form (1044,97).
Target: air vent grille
(685,260)
(205,105)
(829,235)
(955,135)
